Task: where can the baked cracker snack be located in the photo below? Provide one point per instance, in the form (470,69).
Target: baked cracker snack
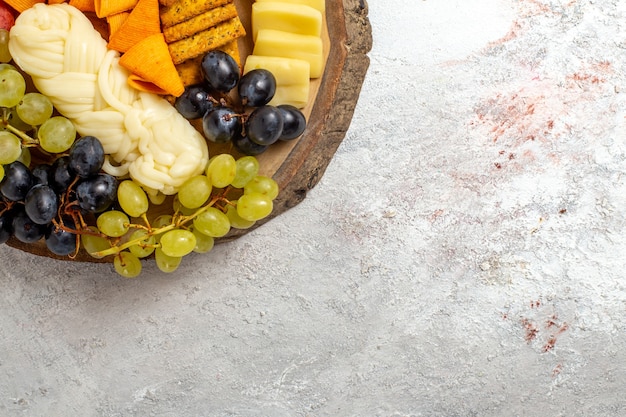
(182,10)
(207,40)
(200,22)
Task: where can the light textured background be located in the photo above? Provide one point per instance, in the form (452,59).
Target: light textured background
(462,256)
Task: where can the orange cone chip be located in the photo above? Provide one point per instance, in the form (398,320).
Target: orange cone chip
(142,22)
(83,5)
(140,84)
(21,5)
(115,21)
(106,8)
(150,60)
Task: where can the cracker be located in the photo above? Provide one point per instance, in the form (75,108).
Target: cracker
(207,40)
(200,22)
(182,10)
(190,72)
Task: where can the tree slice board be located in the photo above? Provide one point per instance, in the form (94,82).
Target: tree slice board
(298,165)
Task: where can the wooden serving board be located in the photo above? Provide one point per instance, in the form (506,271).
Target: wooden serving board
(298,165)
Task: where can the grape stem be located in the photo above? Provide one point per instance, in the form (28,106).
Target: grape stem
(177,221)
(27,141)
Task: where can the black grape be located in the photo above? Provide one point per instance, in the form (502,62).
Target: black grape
(294,122)
(264,125)
(26,230)
(16,182)
(59,241)
(221,124)
(41,174)
(41,204)
(61,176)
(220,70)
(247,147)
(194,102)
(95,194)
(86,156)
(6,226)
(257,87)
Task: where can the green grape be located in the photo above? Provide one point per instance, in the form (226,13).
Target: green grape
(145,247)
(247,168)
(157,198)
(204,243)
(1,172)
(179,208)
(127,265)
(262,185)
(221,170)
(113,223)
(132,198)
(162,220)
(212,222)
(195,191)
(56,134)
(12,87)
(18,123)
(178,242)
(236,220)
(165,262)
(34,108)
(25,157)
(5,54)
(5,65)
(254,206)
(10,147)
(93,244)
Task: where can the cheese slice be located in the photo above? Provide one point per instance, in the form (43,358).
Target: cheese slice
(297,95)
(287,71)
(316,4)
(292,78)
(291,45)
(290,17)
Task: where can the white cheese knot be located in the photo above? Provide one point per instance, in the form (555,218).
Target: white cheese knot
(142,134)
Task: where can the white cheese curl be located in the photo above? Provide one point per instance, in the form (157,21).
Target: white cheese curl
(141,132)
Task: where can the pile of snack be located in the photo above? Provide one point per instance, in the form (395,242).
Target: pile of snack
(108,109)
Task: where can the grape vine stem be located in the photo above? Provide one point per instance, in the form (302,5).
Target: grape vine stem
(178,221)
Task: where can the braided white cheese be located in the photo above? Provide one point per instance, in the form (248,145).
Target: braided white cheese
(142,134)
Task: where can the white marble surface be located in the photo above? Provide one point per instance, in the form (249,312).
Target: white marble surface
(462,256)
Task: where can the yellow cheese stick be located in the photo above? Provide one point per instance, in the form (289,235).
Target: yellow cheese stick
(287,71)
(294,18)
(296,95)
(316,4)
(292,78)
(291,45)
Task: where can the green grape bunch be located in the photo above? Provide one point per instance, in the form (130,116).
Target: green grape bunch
(105,216)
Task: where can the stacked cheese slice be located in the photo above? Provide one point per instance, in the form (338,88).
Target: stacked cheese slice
(288,43)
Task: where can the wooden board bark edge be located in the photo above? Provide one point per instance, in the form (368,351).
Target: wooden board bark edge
(351,39)
(351,36)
